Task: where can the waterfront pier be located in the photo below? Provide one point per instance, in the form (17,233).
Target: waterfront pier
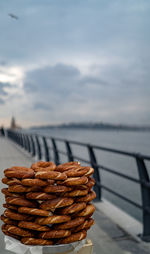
(108,237)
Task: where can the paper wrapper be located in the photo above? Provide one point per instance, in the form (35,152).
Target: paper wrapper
(17,247)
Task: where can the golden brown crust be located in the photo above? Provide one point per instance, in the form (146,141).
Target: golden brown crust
(17,188)
(53,175)
(87,198)
(33,182)
(11,194)
(33,226)
(56,189)
(19,172)
(74,208)
(70,224)
(73,238)
(53,219)
(76,193)
(88,210)
(73,181)
(43,165)
(20,202)
(78,171)
(18,231)
(85,225)
(90,183)
(90,172)
(56,203)
(40,196)
(10,181)
(34,211)
(13,207)
(17,216)
(9,234)
(55,234)
(8,221)
(35,241)
(66,166)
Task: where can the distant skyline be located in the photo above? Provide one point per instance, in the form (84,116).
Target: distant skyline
(74,61)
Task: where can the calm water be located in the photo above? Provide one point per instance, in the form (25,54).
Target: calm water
(123,140)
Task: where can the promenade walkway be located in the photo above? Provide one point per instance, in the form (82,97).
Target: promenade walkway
(106,236)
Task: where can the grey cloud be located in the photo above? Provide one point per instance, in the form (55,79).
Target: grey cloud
(2,101)
(41,106)
(2,86)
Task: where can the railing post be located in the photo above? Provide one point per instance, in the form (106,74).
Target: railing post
(145,193)
(38,148)
(47,154)
(28,144)
(56,155)
(33,146)
(96,174)
(69,151)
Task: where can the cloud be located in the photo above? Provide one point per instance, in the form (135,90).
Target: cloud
(41,106)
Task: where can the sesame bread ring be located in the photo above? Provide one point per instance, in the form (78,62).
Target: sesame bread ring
(55,234)
(54,175)
(76,207)
(90,172)
(40,196)
(11,181)
(19,173)
(43,165)
(53,219)
(17,188)
(66,166)
(11,194)
(18,231)
(34,211)
(34,241)
(33,226)
(56,188)
(73,238)
(71,224)
(88,210)
(85,225)
(20,202)
(90,183)
(33,182)
(76,193)
(13,207)
(17,216)
(79,171)
(56,203)
(8,221)
(9,234)
(75,181)
(87,198)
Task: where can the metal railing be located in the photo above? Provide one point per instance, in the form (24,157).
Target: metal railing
(38,145)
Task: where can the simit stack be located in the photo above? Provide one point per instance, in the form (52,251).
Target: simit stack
(48,204)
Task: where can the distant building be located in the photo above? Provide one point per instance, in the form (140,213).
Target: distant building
(13,124)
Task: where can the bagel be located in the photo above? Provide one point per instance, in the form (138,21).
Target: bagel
(8,221)
(70,224)
(53,175)
(76,207)
(17,188)
(33,182)
(18,231)
(78,171)
(54,219)
(66,166)
(56,203)
(90,183)
(32,226)
(85,225)
(9,234)
(56,188)
(87,198)
(11,194)
(75,181)
(40,196)
(73,237)
(76,193)
(20,202)
(55,234)
(34,211)
(34,241)
(17,216)
(43,165)
(12,181)
(13,207)
(88,210)
(19,172)
(90,172)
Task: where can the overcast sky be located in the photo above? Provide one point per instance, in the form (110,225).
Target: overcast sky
(75,60)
